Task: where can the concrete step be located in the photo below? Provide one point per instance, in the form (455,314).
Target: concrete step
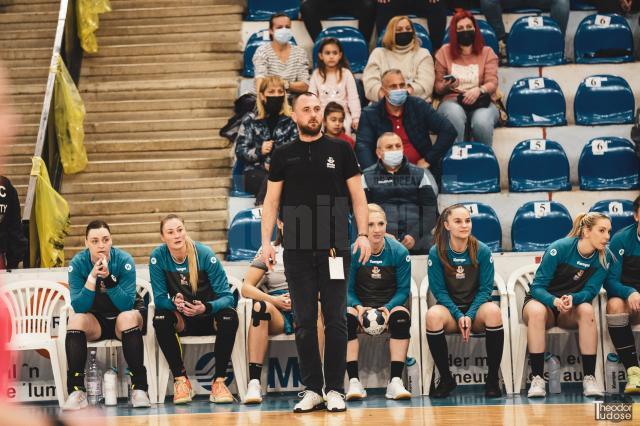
(101,187)
(28,33)
(197,154)
(158,85)
(160,48)
(156,165)
(27,53)
(211,35)
(143,238)
(27,129)
(18,169)
(134,126)
(151,69)
(166,134)
(20,149)
(125,206)
(21,43)
(141,252)
(143,145)
(128,4)
(131,220)
(158,59)
(221,94)
(149,175)
(141,11)
(160,76)
(157,105)
(31,17)
(126,193)
(29,72)
(132,30)
(15,63)
(28,92)
(143,115)
(25,109)
(29,6)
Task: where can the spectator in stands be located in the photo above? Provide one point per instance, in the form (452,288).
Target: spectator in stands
(621,7)
(623,292)
(271,314)
(571,274)
(313,11)
(400,50)
(461,274)
(435,11)
(193,298)
(102,282)
(261,132)
(333,123)
(407,193)
(13,244)
(492,10)
(382,283)
(281,58)
(409,117)
(333,81)
(471,71)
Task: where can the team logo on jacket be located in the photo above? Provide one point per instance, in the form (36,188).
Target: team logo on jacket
(578,275)
(183,280)
(127,266)
(331,163)
(375,273)
(621,252)
(460,275)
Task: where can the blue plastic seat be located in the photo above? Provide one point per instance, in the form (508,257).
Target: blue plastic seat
(598,41)
(353,43)
(538,165)
(536,101)
(620,212)
(256,40)
(489,35)
(244,235)
(603,99)
(470,168)
(485,225)
(578,5)
(421,32)
(237,180)
(539,223)
(608,163)
(535,45)
(261,10)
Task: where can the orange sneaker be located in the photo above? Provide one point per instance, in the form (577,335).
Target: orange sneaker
(220,393)
(182,391)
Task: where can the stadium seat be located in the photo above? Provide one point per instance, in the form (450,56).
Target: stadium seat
(487,32)
(422,33)
(536,101)
(261,10)
(470,168)
(355,47)
(538,165)
(539,223)
(620,212)
(486,225)
(608,164)
(578,5)
(237,180)
(256,40)
(603,99)
(603,38)
(535,41)
(244,235)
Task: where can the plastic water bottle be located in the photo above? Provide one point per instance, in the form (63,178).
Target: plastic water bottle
(611,371)
(413,376)
(110,387)
(94,380)
(553,367)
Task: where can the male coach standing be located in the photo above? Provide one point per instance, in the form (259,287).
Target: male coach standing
(311,181)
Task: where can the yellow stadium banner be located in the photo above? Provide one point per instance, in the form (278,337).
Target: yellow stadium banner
(87,16)
(69,115)
(51,216)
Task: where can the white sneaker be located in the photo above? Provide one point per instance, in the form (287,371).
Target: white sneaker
(335,402)
(76,401)
(537,388)
(590,387)
(140,399)
(396,390)
(311,401)
(254,392)
(356,391)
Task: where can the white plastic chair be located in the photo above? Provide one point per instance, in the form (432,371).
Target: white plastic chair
(427,300)
(32,306)
(517,288)
(238,355)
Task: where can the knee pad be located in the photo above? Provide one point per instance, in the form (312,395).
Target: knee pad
(260,315)
(165,320)
(617,320)
(227,320)
(352,327)
(400,325)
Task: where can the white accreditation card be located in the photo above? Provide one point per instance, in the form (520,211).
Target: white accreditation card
(336,268)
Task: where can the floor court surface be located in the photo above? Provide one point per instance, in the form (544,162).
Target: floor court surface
(467,406)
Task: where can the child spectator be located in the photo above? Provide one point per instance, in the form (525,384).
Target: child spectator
(333,122)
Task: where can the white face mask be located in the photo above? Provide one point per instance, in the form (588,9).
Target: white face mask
(392,158)
(283,35)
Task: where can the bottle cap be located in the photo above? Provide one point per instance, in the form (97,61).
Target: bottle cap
(410,361)
(613,358)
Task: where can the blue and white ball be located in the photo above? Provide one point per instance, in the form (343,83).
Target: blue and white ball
(373,322)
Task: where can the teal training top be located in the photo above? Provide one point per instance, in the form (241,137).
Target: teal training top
(624,272)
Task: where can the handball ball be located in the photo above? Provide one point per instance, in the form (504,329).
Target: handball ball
(373,322)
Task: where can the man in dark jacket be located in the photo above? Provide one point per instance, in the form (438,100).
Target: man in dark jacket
(13,244)
(408,194)
(411,118)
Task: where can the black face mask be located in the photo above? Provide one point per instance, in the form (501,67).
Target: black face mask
(274,104)
(404,38)
(466,38)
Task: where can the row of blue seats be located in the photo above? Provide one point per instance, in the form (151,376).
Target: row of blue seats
(538,165)
(535,225)
(532,41)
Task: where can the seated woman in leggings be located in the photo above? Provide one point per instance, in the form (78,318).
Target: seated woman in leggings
(193,298)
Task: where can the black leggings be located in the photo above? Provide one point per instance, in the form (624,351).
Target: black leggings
(255,182)
(436,14)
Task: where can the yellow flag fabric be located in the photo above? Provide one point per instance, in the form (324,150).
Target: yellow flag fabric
(69,115)
(52,217)
(87,16)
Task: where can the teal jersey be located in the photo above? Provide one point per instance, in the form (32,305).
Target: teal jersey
(564,271)
(385,280)
(624,272)
(122,297)
(169,278)
(463,290)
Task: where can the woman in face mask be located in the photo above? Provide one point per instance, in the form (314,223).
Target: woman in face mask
(260,133)
(467,80)
(401,50)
